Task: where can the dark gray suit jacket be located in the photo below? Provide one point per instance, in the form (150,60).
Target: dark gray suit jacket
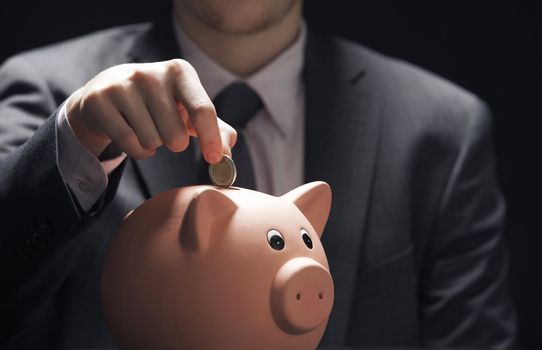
(413,240)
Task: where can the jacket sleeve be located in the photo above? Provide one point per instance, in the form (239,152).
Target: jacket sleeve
(464,288)
(40,219)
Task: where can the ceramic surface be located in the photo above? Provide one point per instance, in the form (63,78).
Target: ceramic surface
(204,267)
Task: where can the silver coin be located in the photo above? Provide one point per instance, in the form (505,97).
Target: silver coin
(223,173)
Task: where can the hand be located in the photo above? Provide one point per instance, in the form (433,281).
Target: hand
(140,107)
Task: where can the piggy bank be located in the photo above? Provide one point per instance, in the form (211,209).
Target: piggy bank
(203,267)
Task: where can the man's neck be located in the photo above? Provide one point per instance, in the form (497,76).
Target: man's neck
(243,54)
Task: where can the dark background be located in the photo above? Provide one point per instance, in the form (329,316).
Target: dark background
(491,48)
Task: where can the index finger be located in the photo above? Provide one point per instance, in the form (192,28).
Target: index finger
(188,90)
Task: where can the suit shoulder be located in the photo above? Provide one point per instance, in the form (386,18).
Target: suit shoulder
(406,81)
(411,95)
(72,62)
(90,46)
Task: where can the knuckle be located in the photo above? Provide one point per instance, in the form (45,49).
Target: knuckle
(178,67)
(93,102)
(203,109)
(139,78)
(150,143)
(114,89)
(211,145)
(184,64)
(126,137)
(175,67)
(92,98)
(143,79)
(177,142)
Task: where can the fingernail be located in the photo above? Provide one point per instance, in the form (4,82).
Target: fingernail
(214,157)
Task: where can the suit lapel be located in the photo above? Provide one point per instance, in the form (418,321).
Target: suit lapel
(166,169)
(341,134)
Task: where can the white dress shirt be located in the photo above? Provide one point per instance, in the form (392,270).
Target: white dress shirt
(274,136)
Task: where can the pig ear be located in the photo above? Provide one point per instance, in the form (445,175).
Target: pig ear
(207,213)
(314,201)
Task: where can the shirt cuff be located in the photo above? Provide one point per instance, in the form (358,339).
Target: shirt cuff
(84,174)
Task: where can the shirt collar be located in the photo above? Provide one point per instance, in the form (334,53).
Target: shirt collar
(279,83)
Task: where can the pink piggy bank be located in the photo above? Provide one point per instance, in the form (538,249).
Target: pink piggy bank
(203,267)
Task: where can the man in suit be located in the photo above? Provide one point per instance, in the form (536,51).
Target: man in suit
(414,238)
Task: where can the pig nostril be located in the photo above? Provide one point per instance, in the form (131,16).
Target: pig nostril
(320,295)
(298,296)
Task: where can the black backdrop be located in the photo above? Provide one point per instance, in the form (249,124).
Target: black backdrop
(492,48)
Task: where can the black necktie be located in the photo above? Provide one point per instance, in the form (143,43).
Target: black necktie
(236,104)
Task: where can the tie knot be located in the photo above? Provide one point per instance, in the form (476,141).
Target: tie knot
(236,104)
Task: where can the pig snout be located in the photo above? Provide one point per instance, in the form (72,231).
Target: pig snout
(301,296)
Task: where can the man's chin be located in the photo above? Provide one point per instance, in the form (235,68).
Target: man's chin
(246,17)
(240,26)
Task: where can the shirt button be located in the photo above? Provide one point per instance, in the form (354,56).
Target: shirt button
(85,186)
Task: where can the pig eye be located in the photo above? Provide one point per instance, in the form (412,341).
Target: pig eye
(306,238)
(275,239)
